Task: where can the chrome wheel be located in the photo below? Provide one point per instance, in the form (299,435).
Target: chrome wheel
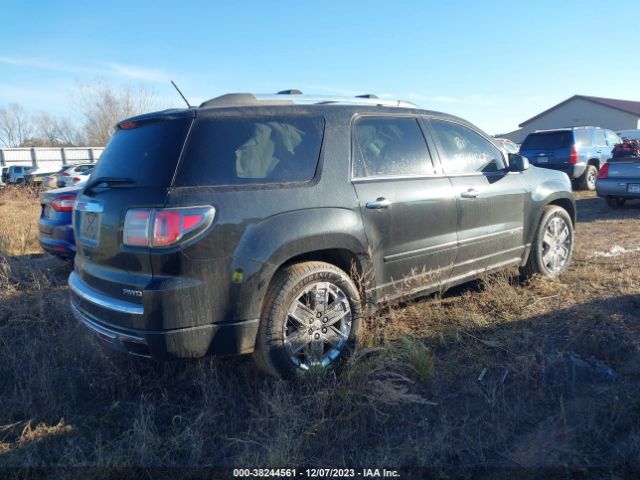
(317,326)
(556,245)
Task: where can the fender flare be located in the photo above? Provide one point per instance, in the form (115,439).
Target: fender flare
(274,241)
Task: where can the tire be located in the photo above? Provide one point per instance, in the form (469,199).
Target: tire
(615,202)
(296,331)
(587,180)
(547,259)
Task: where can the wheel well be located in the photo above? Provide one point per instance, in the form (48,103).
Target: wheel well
(342,258)
(595,162)
(568,206)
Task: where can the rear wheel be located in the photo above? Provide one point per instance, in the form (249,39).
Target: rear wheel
(587,180)
(615,202)
(552,246)
(310,319)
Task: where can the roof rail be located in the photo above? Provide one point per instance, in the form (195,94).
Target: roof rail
(248,99)
(571,127)
(291,91)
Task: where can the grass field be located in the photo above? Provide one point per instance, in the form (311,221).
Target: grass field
(494,373)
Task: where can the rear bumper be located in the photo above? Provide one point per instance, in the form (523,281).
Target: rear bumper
(58,249)
(192,342)
(57,239)
(616,187)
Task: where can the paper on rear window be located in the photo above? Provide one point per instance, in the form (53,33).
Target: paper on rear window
(243,150)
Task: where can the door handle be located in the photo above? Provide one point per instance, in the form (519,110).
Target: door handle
(378,203)
(471,193)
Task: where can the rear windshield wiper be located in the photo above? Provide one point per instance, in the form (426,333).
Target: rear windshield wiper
(106,181)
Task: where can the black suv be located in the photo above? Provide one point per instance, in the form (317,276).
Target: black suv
(269,224)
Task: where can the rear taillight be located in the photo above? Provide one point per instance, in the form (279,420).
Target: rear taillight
(604,171)
(136,228)
(63,204)
(164,227)
(573,156)
(76,180)
(65,174)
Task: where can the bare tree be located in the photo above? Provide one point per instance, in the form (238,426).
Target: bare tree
(16,125)
(102,106)
(56,131)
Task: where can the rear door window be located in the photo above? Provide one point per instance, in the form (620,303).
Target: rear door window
(584,138)
(548,140)
(228,150)
(146,154)
(390,147)
(600,139)
(612,138)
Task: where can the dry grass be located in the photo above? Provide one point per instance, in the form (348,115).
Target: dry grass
(493,373)
(19,221)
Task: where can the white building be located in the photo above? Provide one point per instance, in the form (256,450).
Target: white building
(582,110)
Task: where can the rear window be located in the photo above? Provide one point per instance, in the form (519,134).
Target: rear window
(548,140)
(146,154)
(247,150)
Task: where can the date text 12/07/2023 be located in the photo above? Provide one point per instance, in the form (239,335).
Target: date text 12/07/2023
(315,473)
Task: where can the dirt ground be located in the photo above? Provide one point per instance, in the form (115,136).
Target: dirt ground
(492,375)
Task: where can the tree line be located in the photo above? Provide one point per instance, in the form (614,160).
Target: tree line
(96,108)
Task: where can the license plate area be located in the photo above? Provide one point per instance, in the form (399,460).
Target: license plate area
(89,215)
(633,188)
(90,226)
(543,159)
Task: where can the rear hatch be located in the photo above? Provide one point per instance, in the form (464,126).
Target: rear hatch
(549,149)
(135,170)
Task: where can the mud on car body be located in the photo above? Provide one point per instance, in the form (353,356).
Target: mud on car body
(241,226)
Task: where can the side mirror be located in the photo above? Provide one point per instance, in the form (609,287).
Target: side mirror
(517,163)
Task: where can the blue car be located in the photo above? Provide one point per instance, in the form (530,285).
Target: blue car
(55,231)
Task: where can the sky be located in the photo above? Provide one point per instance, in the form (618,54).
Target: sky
(495,63)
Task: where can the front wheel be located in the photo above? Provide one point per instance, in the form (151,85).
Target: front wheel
(552,246)
(310,319)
